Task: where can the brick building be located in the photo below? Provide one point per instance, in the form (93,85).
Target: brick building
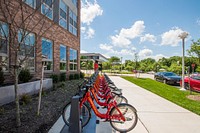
(52,34)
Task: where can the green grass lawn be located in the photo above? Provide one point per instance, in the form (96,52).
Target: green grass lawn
(168,92)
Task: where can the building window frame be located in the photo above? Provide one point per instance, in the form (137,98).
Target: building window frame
(75,2)
(4,53)
(63,11)
(27,49)
(72,22)
(47,54)
(31,3)
(63,57)
(47,8)
(73,60)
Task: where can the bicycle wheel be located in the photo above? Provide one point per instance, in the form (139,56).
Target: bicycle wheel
(121,99)
(130,115)
(84,114)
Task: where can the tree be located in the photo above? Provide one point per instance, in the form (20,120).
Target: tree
(18,18)
(195,49)
(114,59)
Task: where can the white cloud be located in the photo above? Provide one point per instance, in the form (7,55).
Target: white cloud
(147,37)
(106,47)
(120,41)
(123,39)
(89,11)
(133,48)
(159,56)
(171,37)
(88,32)
(83,51)
(145,53)
(83,29)
(136,30)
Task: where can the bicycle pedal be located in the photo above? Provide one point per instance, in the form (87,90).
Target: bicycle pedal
(104,107)
(97,121)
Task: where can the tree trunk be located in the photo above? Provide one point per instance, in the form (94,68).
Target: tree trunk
(40,92)
(18,121)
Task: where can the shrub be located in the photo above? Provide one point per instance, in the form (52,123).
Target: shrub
(71,76)
(63,77)
(82,75)
(1,77)
(54,78)
(76,76)
(24,75)
(25,99)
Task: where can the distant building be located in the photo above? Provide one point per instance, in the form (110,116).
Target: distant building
(93,56)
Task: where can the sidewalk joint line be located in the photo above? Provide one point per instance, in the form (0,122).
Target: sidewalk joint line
(143,125)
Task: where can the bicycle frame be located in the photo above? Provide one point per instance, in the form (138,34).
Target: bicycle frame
(106,116)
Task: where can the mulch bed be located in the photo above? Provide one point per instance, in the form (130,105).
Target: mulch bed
(52,104)
(194,97)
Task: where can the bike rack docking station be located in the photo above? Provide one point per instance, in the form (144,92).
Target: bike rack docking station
(75,122)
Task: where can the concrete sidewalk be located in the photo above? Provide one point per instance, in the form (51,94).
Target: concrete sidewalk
(156,115)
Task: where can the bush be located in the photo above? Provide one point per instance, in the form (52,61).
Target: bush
(1,77)
(25,75)
(71,76)
(63,77)
(54,78)
(76,76)
(82,75)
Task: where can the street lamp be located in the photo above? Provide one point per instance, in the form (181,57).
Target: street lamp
(183,35)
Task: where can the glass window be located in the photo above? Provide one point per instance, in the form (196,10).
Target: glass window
(4,46)
(47,8)
(63,14)
(72,23)
(73,59)
(74,2)
(47,54)
(63,55)
(31,3)
(27,50)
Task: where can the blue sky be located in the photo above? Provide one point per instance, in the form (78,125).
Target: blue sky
(149,28)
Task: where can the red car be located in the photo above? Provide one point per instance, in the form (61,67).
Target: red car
(193,81)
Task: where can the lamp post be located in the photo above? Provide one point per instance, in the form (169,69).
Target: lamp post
(183,35)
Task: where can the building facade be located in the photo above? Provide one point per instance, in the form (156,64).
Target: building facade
(93,56)
(52,33)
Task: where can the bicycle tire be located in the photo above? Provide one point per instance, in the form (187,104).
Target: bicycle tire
(121,99)
(85,114)
(129,113)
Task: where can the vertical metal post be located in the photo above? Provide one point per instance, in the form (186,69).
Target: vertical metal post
(75,123)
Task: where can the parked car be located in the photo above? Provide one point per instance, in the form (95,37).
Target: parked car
(193,81)
(167,78)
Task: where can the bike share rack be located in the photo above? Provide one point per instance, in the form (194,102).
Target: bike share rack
(75,122)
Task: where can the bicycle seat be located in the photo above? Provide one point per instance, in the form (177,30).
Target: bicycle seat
(90,84)
(112,86)
(116,92)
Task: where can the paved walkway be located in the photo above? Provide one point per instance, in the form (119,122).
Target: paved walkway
(156,115)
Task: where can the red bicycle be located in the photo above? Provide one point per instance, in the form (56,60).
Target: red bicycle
(122,117)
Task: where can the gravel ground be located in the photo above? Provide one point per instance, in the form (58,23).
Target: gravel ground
(52,104)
